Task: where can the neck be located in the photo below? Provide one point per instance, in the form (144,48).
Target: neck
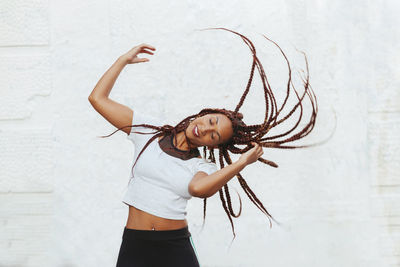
(182,142)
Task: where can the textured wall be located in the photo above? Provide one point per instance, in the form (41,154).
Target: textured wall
(61,187)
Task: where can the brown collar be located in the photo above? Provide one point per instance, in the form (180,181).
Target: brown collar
(167,145)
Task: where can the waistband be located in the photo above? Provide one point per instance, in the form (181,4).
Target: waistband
(156,234)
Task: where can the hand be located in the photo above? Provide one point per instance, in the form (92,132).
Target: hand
(252,155)
(130,57)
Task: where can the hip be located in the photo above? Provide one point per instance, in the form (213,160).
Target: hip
(147,248)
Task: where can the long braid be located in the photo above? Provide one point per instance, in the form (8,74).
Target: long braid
(226,190)
(204,211)
(249,192)
(212,158)
(221,196)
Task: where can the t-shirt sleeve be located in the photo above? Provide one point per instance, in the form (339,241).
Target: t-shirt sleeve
(140,117)
(205,166)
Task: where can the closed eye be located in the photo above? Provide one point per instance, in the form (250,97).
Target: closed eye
(212,136)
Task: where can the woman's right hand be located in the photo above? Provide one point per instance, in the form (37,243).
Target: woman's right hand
(252,155)
(130,57)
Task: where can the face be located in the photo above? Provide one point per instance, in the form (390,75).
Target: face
(210,130)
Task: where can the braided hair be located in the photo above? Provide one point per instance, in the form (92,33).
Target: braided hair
(245,134)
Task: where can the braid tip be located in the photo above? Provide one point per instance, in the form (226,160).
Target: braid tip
(229,247)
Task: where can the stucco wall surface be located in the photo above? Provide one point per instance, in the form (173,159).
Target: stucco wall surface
(61,186)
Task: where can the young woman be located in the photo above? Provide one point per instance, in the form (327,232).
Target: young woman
(168,172)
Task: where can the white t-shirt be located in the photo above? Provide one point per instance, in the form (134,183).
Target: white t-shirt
(160,182)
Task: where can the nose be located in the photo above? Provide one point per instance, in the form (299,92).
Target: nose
(207,128)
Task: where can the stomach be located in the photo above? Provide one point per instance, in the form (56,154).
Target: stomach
(141,220)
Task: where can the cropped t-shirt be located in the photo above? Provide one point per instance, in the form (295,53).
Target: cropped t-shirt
(159,184)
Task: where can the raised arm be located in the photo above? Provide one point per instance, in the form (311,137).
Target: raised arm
(117,114)
(203,185)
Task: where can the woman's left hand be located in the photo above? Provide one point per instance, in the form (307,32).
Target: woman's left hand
(252,155)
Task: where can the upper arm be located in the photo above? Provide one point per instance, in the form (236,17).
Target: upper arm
(193,183)
(201,170)
(115,113)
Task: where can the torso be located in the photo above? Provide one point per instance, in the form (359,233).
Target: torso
(141,220)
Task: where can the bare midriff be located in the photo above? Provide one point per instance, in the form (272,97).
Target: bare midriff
(141,220)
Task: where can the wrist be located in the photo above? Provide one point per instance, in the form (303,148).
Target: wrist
(123,60)
(241,163)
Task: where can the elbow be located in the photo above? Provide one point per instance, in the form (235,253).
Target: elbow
(91,99)
(96,99)
(195,192)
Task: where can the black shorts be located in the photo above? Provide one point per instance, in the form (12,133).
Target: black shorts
(157,248)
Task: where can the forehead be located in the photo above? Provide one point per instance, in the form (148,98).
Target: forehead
(221,117)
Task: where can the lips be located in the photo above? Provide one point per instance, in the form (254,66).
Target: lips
(195,131)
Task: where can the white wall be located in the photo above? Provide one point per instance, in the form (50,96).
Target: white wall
(61,187)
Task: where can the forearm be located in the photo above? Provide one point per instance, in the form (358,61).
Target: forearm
(106,83)
(209,185)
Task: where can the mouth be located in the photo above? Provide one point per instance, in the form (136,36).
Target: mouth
(196,131)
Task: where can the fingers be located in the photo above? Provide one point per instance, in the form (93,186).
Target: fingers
(143,49)
(148,52)
(143,59)
(255,145)
(143,45)
(258,149)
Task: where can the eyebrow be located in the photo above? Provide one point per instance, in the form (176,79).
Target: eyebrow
(217,132)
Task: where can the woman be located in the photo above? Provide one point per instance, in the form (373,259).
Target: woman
(171,170)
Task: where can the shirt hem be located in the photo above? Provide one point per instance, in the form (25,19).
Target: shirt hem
(146,209)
